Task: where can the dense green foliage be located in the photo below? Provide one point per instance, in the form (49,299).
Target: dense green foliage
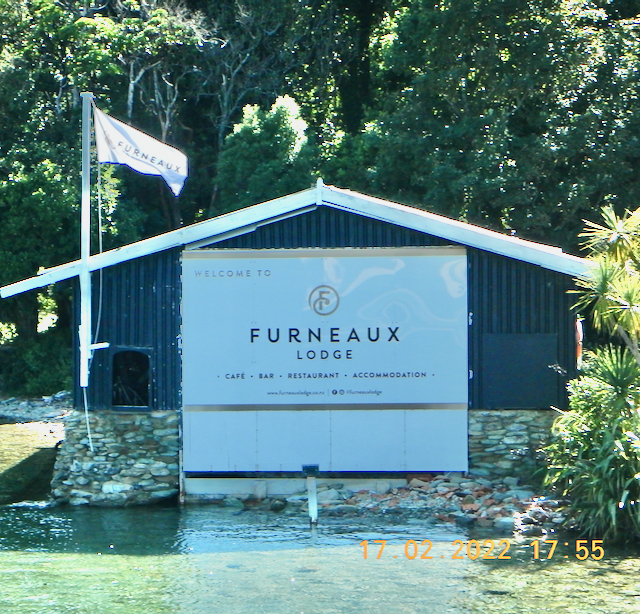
(595,455)
(610,293)
(267,154)
(521,116)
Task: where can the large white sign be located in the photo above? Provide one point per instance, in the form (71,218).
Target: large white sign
(333,327)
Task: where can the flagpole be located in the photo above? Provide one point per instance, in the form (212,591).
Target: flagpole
(84,330)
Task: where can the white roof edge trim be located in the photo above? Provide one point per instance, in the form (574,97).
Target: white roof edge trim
(248,219)
(546,256)
(228,224)
(246,229)
(447,220)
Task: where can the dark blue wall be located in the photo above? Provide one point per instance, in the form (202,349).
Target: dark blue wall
(140,311)
(521,338)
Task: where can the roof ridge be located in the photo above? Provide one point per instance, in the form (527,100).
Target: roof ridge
(248,219)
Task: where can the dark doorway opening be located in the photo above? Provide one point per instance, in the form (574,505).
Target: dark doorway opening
(130,379)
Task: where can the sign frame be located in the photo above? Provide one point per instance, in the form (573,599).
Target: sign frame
(368,435)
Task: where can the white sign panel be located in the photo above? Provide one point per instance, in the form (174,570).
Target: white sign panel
(325,328)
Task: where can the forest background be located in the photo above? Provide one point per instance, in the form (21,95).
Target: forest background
(520,116)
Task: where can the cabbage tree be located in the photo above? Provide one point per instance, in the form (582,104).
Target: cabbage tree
(610,292)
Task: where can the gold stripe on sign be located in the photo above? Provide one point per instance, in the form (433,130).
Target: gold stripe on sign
(327,406)
(322,252)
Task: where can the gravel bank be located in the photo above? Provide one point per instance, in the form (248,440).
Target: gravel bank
(47,409)
(501,504)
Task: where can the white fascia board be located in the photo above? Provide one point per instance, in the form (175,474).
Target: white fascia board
(46,277)
(219,228)
(546,256)
(248,219)
(223,236)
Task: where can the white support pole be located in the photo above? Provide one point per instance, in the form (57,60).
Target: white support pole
(312,499)
(84,330)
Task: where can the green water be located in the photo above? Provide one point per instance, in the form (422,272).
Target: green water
(207,559)
(27,455)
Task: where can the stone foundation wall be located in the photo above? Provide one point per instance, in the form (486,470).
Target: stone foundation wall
(135,459)
(136,455)
(507,442)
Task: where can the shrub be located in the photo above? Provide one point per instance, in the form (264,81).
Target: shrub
(594,457)
(38,367)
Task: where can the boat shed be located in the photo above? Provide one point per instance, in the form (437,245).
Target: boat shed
(325,330)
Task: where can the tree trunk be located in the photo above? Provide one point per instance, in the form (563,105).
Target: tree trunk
(26,315)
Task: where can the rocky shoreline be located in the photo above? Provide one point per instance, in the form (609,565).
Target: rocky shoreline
(498,503)
(48,409)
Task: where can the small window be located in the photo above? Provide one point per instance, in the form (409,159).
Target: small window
(130,379)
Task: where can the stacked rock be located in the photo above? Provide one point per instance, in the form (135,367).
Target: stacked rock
(499,503)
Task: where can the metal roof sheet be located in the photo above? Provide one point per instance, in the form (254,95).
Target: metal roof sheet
(248,219)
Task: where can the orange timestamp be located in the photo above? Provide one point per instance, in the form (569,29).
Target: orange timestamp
(585,548)
(485,550)
(470,549)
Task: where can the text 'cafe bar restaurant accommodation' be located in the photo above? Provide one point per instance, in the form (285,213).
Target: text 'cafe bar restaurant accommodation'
(325,329)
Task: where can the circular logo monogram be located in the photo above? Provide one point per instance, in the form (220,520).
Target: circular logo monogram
(324,300)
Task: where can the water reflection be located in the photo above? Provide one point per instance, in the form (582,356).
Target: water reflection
(206,559)
(131,531)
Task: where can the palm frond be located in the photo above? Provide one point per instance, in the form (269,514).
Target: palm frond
(595,298)
(615,366)
(623,302)
(617,236)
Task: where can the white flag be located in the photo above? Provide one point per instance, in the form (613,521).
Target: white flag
(119,143)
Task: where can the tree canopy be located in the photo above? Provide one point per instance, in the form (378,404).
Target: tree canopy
(521,116)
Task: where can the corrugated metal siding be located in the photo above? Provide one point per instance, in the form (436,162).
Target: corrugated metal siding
(505,295)
(140,310)
(329,227)
(508,296)
(141,303)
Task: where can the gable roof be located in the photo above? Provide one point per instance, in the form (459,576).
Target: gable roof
(248,219)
